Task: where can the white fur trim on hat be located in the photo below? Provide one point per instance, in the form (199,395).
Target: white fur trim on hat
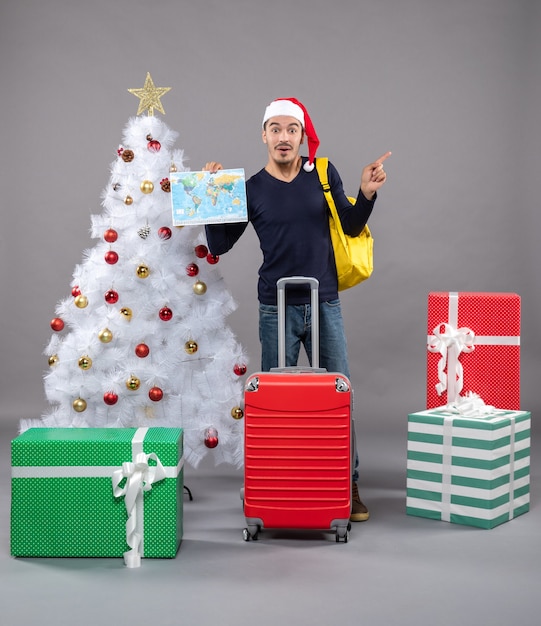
(284,107)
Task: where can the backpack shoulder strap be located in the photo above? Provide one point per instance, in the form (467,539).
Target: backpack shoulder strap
(322,164)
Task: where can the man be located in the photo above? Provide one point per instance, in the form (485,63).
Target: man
(290,215)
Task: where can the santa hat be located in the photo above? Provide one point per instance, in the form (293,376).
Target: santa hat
(294,108)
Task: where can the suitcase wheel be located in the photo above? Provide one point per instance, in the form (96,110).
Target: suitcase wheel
(250,533)
(342,534)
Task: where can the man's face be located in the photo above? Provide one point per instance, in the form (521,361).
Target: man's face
(283,135)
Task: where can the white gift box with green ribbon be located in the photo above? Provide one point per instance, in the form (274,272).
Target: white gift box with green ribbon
(468,470)
(97,492)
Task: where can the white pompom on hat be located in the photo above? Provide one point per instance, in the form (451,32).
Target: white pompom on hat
(294,108)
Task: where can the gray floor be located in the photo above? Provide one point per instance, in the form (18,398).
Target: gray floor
(395,569)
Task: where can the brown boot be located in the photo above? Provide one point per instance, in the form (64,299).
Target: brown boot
(359,513)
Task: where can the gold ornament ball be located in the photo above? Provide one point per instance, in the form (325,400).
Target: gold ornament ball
(128,200)
(173,168)
(143,271)
(105,335)
(126,313)
(191,347)
(147,186)
(133,383)
(81,301)
(237,413)
(79,405)
(85,362)
(199,288)
(53,359)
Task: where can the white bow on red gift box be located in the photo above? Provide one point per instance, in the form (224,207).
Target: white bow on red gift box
(451,341)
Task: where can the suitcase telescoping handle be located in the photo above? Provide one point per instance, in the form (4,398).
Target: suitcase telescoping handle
(281,302)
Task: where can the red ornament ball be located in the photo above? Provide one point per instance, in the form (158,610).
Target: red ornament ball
(211,437)
(192,269)
(110,398)
(142,350)
(111,296)
(57,324)
(201,251)
(165,314)
(76,291)
(110,235)
(111,257)
(164,233)
(212,258)
(154,145)
(155,394)
(240,369)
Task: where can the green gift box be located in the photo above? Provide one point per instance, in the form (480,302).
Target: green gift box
(468,470)
(97,492)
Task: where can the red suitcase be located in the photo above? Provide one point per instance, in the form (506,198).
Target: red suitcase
(298,433)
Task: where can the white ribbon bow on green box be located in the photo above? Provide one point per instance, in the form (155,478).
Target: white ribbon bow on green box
(139,476)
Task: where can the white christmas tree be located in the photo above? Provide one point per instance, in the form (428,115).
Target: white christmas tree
(142,340)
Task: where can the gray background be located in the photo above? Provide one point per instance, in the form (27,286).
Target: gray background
(453,89)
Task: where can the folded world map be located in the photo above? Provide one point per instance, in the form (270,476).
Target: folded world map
(208,198)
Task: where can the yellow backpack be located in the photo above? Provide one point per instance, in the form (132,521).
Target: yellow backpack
(354,256)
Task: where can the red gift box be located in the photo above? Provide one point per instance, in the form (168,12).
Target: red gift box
(473,345)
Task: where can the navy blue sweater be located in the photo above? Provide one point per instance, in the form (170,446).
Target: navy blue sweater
(291,220)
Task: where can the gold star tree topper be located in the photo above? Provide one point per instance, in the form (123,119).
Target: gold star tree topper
(149,96)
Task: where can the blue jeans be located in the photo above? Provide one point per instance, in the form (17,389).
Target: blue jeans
(332,341)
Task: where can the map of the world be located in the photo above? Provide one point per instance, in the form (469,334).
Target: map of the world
(206,198)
